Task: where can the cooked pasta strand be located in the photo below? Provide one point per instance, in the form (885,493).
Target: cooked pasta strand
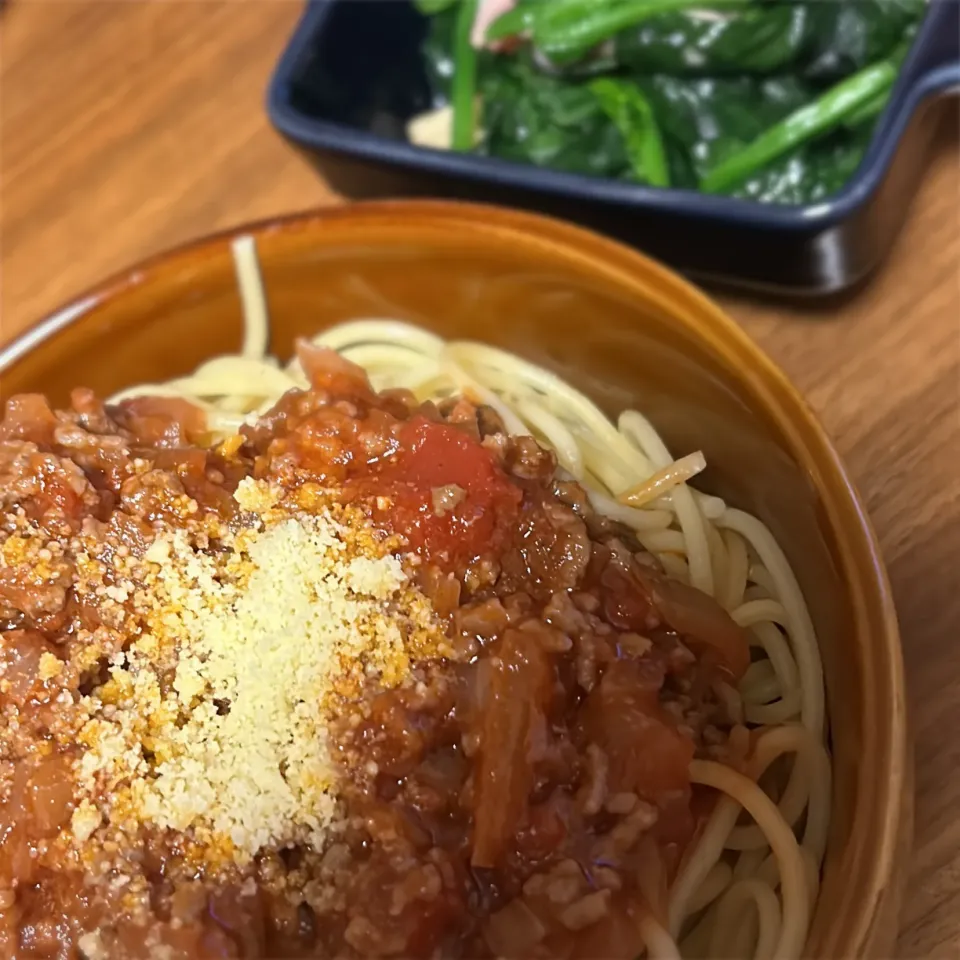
(746,887)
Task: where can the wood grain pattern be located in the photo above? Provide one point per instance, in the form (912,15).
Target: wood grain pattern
(126,127)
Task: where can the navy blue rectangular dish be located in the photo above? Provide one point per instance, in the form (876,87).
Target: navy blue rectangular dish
(352,77)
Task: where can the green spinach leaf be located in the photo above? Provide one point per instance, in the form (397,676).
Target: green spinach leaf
(534,118)
(775,100)
(707,120)
(826,113)
(756,40)
(810,174)
(849,35)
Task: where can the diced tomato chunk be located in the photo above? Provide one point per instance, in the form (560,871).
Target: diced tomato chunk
(622,715)
(28,416)
(327,370)
(434,457)
(163,421)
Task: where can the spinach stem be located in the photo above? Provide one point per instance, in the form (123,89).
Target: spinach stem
(869,110)
(464,88)
(515,22)
(567,31)
(633,116)
(829,110)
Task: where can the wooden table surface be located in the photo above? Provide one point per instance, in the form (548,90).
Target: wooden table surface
(128,127)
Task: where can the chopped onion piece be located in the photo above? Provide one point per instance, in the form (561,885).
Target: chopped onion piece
(514,930)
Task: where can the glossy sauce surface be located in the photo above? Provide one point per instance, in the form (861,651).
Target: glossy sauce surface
(514,799)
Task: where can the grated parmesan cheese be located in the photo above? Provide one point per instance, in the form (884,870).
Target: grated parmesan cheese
(91,946)
(214,720)
(49,666)
(86,818)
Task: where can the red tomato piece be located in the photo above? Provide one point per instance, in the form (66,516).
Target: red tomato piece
(327,370)
(434,456)
(622,715)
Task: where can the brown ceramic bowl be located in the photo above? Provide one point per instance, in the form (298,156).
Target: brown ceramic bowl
(629,333)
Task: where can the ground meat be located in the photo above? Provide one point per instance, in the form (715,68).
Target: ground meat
(563,613)
(154,495)
(490,804)
(44,484)
(593,792)
(527,460)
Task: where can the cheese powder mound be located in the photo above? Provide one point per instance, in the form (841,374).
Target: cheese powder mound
(213,722)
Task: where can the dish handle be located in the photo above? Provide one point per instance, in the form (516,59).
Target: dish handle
(933,67)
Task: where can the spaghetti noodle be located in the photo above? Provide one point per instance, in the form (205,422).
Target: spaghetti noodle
(744,888)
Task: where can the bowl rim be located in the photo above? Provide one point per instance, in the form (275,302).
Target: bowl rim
(859,557)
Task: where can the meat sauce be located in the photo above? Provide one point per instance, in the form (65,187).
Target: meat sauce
(507,801)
